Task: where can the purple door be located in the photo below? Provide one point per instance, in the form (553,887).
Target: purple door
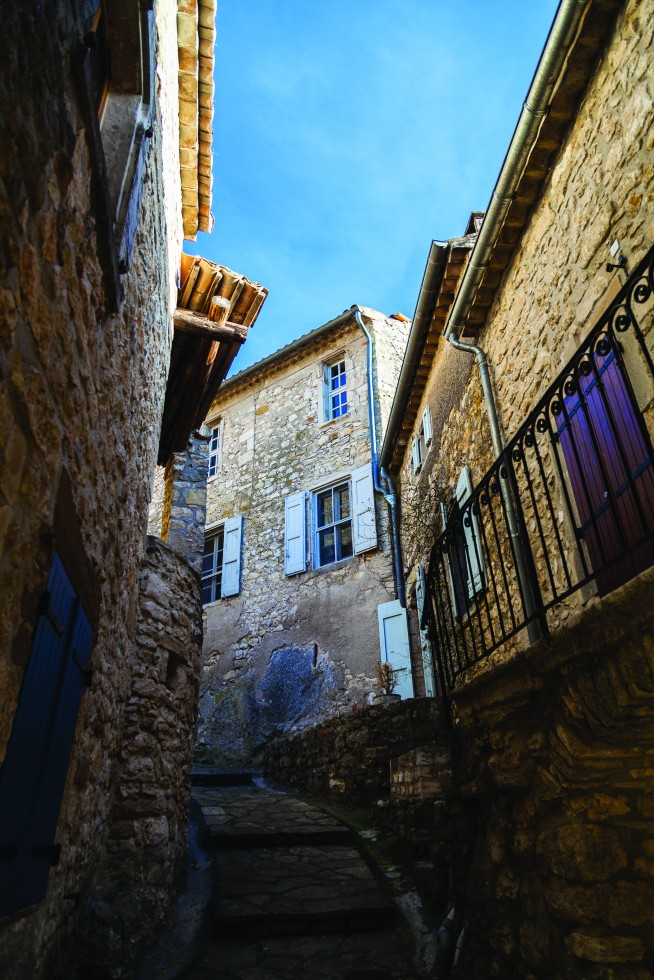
(609,459)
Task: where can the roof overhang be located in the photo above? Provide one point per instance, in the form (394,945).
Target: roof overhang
(445,265)
(196,36)
(215,309)
(578,68)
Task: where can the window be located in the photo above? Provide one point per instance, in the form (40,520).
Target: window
(335,390)
(333,525)
(116,77)
(421,442)
(212,566)
(343,522)
(214,451)
(221,562)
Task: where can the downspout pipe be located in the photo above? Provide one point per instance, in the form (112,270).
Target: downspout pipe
(557,47)
(382,480)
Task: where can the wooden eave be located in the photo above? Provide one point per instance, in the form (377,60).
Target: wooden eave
(579,69)
(199,362)
(458,254)
(215,309)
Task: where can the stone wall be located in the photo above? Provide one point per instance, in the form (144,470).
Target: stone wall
(349,758)
(185,501)
(143,861)
(290,650)
(81,394)
(553,867)
(539,835)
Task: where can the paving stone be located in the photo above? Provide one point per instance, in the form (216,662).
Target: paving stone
(258,818)
(305,905)
(296,890)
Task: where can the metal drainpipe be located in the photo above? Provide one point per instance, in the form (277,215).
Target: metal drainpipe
(523,564)
(388,492)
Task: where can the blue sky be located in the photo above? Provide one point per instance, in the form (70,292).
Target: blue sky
(347,135)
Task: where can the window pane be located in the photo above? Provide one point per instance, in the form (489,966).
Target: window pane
(325,509)
(345,541)
(326,546)
(342,503)
(206,593)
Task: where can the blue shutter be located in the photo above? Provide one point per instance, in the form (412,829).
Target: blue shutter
(33,774)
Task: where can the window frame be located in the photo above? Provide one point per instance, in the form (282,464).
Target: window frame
(215,454)
(331,412)
(214,534)
(420,443)
(339,523)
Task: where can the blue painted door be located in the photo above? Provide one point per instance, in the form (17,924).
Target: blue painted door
(33,774)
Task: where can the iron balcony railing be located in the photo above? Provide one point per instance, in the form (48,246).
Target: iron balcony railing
(567,511)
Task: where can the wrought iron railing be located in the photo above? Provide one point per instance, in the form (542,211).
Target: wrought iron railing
(567,510)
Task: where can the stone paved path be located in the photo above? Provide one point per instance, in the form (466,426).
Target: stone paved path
(296,900)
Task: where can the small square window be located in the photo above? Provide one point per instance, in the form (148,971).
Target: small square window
(212,566)
(333,525)
(214,451)
(335,390)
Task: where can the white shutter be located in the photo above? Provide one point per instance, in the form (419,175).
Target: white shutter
(232,557)
(326,392)
(425,645)
(364,525)
(475,557)
(295,548)
(426,425)
(415,454)
(394,645)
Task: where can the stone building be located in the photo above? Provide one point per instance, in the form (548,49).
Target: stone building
(106,131)
(298,568)
(523,448)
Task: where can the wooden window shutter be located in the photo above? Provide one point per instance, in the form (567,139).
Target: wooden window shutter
(33,775)
(231,582)
(364,524)
(295,546)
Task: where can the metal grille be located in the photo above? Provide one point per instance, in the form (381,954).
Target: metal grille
(568,506)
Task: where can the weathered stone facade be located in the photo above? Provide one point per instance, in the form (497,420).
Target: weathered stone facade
(84,357)
(146,847)
(600,189)
(550,869)
(291,649)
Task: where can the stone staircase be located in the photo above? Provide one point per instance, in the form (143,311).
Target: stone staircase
(296,898)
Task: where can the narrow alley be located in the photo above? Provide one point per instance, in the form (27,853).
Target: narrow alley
(294,893)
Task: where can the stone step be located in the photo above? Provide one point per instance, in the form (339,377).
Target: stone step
(364,956)
(213,776)
(239,817)
(298,891)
